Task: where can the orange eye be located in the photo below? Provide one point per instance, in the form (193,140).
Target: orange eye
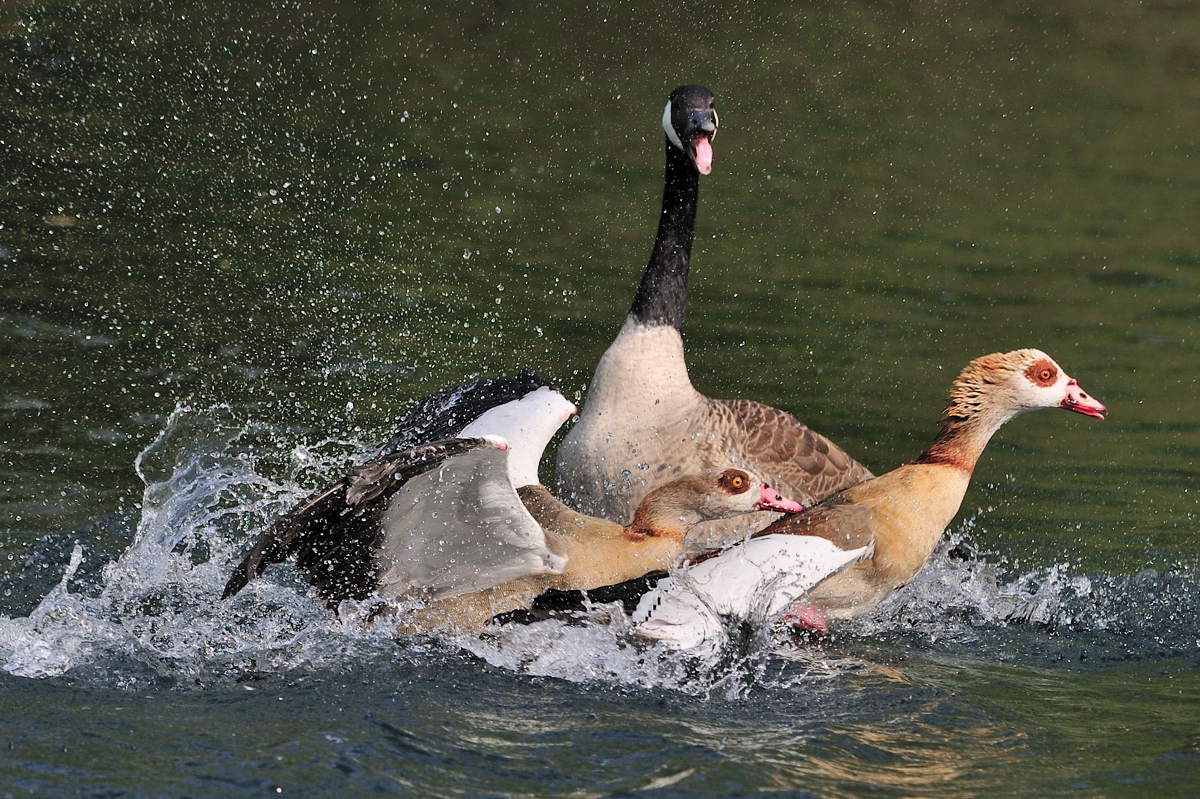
(734,480)
(1043,372)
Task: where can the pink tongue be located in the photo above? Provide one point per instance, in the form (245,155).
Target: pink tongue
(703,155)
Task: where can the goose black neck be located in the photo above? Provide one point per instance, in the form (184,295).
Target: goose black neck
(662,296)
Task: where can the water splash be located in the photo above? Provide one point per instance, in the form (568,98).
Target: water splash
(214,481)
(598,646)
(154,613)
(1052,613)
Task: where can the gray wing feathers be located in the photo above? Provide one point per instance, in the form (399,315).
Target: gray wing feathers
(335,533)
(461,528)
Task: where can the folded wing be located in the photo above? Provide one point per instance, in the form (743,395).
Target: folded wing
(750,582)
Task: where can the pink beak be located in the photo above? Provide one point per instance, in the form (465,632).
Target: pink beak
(1077,400)
(773,500)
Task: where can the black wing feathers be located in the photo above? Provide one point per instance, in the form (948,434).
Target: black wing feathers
(335,532)
(444,414)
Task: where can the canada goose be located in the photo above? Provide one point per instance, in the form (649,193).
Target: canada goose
(643,422)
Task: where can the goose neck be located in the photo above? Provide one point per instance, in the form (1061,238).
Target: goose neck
(660,519)
(962,439)
(662,295)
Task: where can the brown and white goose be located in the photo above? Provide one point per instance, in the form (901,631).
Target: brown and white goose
(463,528)
(904,512)
(886,527)
(644,423)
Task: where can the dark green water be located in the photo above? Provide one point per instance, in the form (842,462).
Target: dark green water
(293,219)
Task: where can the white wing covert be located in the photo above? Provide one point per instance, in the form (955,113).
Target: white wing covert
(752,581)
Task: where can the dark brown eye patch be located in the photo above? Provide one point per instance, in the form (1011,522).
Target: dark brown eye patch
(1042,372)
(734,481)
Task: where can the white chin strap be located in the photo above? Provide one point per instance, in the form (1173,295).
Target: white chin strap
(671,134)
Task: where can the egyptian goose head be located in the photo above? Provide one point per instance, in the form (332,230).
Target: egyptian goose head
(673,509)
(995,388)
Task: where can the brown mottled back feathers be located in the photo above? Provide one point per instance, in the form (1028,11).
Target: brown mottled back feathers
(792,457)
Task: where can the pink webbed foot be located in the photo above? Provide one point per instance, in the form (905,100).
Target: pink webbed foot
(802,618)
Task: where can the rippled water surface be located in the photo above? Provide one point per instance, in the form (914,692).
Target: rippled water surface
(236,242)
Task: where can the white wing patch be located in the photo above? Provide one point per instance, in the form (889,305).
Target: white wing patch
(755,580)
(461,528)
(527,424)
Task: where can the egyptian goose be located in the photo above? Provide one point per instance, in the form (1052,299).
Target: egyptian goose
(644,423)
(886,527)
(462,528)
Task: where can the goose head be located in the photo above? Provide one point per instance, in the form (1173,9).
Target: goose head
(994,389)
(674,508)
(1005,384)
(690,122)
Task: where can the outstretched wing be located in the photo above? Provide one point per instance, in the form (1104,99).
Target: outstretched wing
(460,528)
(444,414)
(439,519)
(334,532)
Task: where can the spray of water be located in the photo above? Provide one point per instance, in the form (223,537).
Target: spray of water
(154,614)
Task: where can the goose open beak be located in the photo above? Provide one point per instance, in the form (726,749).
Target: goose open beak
(773,500)
(701,130)
(702,154)
(1077,400)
